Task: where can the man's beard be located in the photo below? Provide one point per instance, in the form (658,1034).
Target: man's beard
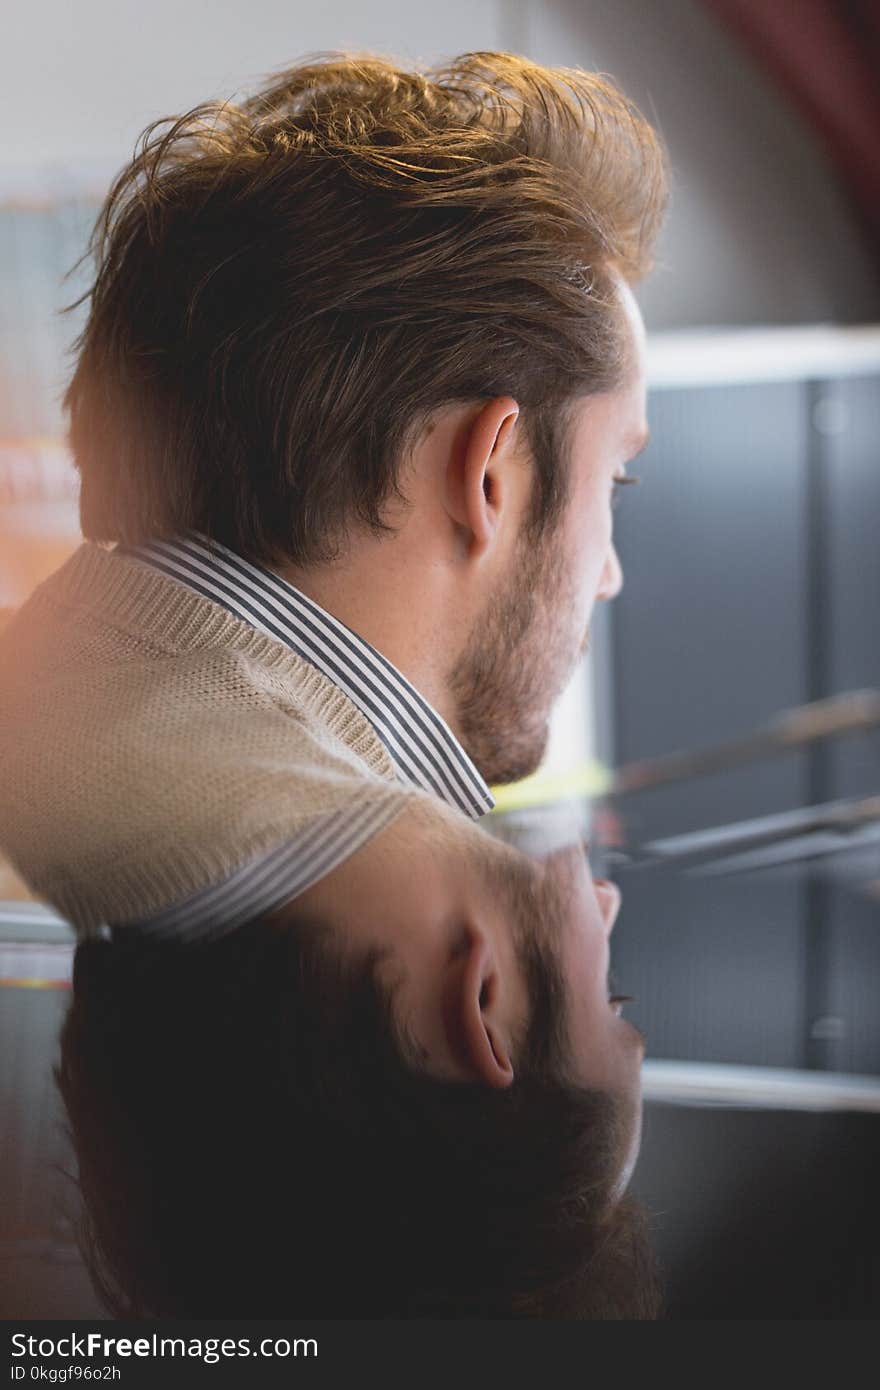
(515,663)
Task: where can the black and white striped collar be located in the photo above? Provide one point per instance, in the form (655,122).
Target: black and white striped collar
(420,743)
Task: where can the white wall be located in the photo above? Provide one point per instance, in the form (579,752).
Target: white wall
(759,231)
(79,79)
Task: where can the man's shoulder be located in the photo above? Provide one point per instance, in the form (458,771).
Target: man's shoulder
(121,755)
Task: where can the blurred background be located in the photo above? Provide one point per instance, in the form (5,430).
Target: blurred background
(750,865)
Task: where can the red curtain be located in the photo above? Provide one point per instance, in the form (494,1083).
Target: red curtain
(825,54)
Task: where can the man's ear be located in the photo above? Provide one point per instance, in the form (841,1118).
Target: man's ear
(477,476)
(476,1008)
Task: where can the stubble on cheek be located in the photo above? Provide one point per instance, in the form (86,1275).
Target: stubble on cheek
(516,663)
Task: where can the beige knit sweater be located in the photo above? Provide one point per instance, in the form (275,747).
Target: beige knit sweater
(151,742)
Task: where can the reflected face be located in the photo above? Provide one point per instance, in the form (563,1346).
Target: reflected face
(556,904)
(429,887)
(605,1049)
(556,907)
(523,650)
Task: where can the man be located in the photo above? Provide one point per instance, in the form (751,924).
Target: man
(361,372)
(409,1096)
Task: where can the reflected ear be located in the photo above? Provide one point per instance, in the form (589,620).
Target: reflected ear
(473,997)
(476,490)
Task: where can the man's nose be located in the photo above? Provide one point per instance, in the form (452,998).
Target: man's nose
(609,897)
(611,581)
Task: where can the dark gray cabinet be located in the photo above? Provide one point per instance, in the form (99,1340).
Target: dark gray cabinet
(751,555)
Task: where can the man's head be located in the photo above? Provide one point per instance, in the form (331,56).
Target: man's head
(372,328)
(532,613)
(301,1119)
(473,934)
(497,963)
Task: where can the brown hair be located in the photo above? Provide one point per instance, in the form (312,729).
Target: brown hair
(254,1140)
(287,289)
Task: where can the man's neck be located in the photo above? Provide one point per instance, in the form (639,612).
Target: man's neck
(396,608)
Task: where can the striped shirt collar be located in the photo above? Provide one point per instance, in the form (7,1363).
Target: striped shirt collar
(423,748)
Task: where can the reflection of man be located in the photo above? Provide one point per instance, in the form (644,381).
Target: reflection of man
(361,373)
(405,1095)
(484,913)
